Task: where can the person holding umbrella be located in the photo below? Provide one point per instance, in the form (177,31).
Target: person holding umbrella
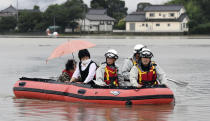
(86,69)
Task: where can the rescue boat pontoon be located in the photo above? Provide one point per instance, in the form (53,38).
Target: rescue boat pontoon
(48,89)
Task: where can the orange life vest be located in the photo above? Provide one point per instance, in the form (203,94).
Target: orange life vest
(147,77)
(110,76)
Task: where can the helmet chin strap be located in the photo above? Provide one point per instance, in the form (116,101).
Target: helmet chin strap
(110,64)
(145,68)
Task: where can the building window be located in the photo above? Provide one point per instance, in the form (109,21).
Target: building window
(164,15)
(101,22)
(157,24)
(90,27)
(171,14)
(146,25)
(152,15)
(169,25)
(109,22)
(142,24)
(159,14)
(184,25)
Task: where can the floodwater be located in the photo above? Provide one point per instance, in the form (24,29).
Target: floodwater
(183,58)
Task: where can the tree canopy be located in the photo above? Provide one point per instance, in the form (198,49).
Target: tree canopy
(199,14)
(7,23)
(63,15)
(141,6)
(115,8)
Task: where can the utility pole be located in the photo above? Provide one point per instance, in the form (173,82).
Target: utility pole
(54,23)
(17,15)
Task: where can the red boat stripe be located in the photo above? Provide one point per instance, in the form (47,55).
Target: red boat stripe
(93,97)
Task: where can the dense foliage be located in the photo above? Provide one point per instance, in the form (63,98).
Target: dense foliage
(63,15)
(199,14)
(141,6)
(115,8)
(7,23)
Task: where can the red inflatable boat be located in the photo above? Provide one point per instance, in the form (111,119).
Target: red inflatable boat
(48,89)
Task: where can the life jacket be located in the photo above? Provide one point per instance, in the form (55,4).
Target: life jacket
(110,76)
(68,72)
(85,72)
(148,77)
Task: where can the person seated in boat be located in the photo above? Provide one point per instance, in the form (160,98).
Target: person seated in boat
(146,72)
(86,69)
(108,72)
(130,62)
(68,71)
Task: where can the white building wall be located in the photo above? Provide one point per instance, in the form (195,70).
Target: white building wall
(127,26)
(105,27)
(163,15)
(153,27)
(166,26)
(87,25)
(182,11)
(184,25)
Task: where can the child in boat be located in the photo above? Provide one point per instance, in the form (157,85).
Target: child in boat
(146,72)
(68,71)
(108,73)
(86,69)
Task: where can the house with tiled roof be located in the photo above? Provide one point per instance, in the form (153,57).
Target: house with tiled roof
(10,11)
(97,20)
(158,18)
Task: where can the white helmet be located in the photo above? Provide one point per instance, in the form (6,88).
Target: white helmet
(111,53)
(138,48)
(146,53)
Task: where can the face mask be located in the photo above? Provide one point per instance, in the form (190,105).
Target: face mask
(85,62)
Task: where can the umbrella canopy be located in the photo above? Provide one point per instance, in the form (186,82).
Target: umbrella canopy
(70,47)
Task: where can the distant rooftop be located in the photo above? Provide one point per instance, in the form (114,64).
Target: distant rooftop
(137,13)
(163,8)
(10,9)
(98,15)
(142,18)
(135,18)
(96,11)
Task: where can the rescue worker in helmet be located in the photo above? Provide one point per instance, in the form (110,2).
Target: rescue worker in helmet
(130,62)
(147,72)
(86,69)
(108,73)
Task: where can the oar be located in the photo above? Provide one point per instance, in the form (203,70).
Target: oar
(180,83)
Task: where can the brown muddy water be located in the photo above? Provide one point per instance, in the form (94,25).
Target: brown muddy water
(182,58)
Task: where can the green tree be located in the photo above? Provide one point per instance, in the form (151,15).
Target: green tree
(55,13)
(7,23)
(65,14)
(198,12)
(28,20)
(36,8)
(141,6)
(98,4)
(115,8)
(121,24)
